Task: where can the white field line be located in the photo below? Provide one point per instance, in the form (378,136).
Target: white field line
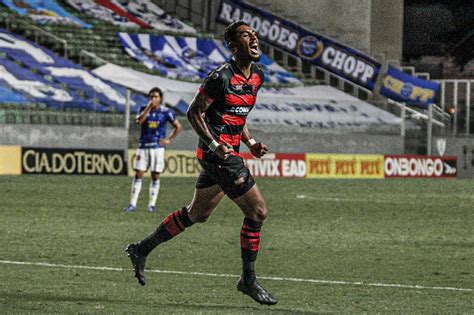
(350,199)
(387,201)
(206,274)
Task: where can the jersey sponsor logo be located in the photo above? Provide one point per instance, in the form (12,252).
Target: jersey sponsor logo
(237,87)
(153,124)
(238,110)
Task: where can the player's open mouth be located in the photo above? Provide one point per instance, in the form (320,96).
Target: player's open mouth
(254,49)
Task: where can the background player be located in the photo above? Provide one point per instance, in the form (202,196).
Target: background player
(151,153)
(218,113)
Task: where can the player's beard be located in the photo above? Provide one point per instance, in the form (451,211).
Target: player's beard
(255,58)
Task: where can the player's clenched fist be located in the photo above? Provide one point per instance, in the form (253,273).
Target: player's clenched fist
(224,150)
(258,149)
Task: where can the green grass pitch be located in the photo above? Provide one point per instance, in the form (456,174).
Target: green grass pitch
(349,246)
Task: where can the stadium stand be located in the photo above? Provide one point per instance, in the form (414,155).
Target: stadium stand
(113,32)
(141,13)
(44,12)
(64,77)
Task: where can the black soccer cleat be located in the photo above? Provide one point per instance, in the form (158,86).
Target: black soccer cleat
(256,292)
(138,262)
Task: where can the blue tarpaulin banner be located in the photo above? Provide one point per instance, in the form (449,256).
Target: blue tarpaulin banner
(326,53)
(44,12)
(191,58)
(9,96)
(44,77)
(400,86)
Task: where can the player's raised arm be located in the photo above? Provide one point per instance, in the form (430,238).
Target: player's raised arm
(195,112)
(142,116)
(195,116)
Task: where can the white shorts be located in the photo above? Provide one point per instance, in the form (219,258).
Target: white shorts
(153,159)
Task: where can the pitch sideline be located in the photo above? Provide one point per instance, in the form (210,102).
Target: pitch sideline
(205,274)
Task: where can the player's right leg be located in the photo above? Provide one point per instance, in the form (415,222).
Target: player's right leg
(237,182)
(135,191)
(201,207)
(140,165)
(255,210)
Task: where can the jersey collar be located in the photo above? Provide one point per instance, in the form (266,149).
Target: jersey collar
(236,69)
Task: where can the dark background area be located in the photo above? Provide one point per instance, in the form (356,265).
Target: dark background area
(439,28)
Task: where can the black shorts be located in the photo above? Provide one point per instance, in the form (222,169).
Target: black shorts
(232,176)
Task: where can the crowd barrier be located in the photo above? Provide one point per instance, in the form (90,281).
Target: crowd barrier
(16,160)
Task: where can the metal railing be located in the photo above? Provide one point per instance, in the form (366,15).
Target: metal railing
(12,116)
(85,53)
(455,96)
(433,115)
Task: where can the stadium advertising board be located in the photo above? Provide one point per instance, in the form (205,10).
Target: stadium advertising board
(177,164)
(344,166)
(326,53)
(403,87)
(420,166)
(72,161)
(276,165)
(10,160)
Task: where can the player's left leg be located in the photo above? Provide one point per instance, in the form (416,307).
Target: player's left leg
(157,165)
(255,210)
(204,202)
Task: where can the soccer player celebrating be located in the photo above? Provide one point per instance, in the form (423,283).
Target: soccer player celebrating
(151,151)
(218,113)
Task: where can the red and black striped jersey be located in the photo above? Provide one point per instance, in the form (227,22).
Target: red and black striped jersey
(232,97)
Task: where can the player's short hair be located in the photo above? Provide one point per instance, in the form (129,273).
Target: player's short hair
(155,90)
(230,32)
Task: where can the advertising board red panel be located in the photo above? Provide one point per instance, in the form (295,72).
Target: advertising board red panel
(277,165)
(420,166)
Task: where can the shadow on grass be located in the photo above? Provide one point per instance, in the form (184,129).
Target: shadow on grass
(19,297)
